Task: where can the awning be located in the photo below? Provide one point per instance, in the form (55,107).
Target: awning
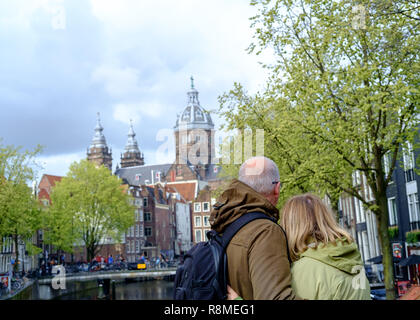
(413,259)
(378,259)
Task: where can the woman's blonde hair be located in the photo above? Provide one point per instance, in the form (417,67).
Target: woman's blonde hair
(305,219)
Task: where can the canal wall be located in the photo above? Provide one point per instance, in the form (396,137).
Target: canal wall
(154,274)
(42,289)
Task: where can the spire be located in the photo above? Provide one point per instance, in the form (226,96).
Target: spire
(132,155)
(98,140)
(131,145)
(193,94)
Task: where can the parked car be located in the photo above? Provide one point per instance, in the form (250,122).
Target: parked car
(71,268)
(138,265)
(83,267)
(172,263)
(378,294)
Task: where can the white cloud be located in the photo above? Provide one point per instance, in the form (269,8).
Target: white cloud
(126,59)
(117,81)
(59,164)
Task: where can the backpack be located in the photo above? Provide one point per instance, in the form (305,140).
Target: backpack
(203,275)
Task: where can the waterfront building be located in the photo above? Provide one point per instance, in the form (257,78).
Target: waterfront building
(404,216)
(201,215)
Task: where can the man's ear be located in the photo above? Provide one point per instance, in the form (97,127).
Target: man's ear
(277,189)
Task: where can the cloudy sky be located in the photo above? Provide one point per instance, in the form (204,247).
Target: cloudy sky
(63,61)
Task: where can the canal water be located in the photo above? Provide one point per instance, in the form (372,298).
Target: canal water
(137,290)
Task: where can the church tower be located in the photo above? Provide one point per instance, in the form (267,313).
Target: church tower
(132,155)
(98,152)
(194,135)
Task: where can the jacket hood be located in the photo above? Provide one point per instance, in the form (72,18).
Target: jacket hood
(237,200)
(342,255)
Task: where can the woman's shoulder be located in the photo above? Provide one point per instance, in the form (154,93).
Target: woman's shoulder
(319,269)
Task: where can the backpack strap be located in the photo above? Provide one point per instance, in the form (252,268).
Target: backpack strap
(236,225)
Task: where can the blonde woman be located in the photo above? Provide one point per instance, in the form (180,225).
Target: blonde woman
(326,262)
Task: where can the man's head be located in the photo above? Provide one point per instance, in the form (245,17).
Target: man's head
(261,174)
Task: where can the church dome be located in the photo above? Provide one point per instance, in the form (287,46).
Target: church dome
(194,116)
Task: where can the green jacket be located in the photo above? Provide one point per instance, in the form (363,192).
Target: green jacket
(331,272)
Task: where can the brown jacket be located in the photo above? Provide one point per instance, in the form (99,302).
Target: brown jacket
(257,255)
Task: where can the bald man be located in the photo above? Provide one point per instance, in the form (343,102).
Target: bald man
(258,263)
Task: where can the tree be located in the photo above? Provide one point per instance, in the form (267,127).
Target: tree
(342,97)
(20,214)
(88,205)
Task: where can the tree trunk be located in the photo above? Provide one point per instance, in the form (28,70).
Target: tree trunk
(387,261)
(91,251)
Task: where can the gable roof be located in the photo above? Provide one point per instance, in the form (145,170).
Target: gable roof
(187,190)
(138,175)
(52,180)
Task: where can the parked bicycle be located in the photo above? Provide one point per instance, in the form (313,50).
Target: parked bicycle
(16,284)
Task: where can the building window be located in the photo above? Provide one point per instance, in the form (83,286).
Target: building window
(365,246)
(206,222)
(206,206)
(197,221)
(197,207)
(198,236)
(137,246)
(356,178)
(392,208)
(360,214)
(145,202)
(205,234)
(128,247)
(147,216)
(408,159)
(413,210)
(148,231)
